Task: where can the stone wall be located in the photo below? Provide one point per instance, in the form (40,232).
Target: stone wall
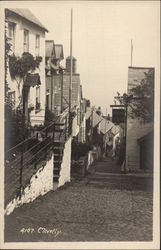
(91,158)
(40,183)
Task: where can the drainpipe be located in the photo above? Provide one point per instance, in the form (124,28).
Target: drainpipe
(61,91)
(126,168)
(51,92)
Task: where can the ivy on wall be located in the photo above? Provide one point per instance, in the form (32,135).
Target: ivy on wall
(19,67)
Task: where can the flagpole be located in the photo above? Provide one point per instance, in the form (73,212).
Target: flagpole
(71,63)
(131,52)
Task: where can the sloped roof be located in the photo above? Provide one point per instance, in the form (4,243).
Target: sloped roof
(27,14)
(49,48)
(116,129)
(96,119)
(59,51)
(105,126)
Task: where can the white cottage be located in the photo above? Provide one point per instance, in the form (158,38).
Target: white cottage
(27,34)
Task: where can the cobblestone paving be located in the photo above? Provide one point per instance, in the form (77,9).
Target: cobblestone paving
(86,210)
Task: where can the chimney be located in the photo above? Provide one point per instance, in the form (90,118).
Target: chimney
(68,64)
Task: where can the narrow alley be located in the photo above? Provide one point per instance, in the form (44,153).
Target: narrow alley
(106,205)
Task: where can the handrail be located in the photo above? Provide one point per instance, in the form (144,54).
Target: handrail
(26,152)
(47,144)
(32,137)
(69,127)
(36,154)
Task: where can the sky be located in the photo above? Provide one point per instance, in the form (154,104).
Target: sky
(102,33)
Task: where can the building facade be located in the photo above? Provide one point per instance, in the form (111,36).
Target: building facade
(138,130)
(26,34)
(58,80)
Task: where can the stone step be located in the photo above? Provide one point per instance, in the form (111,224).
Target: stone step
(57,168)
(57,161)
(57,154)
(56,172)
(59,148)
(60,124)
(58,143)
(58,130)
(56,178)
(58,157)
(55,186)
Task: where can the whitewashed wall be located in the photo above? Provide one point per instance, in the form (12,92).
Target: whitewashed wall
(65,171)
(91,158)
(40,184)
(21,24)
(75,126)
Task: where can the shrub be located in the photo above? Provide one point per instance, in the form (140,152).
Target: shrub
(79,149)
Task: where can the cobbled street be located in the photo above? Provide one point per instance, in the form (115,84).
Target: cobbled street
(106,205)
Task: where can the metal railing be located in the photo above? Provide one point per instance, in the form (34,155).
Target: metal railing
(33,151)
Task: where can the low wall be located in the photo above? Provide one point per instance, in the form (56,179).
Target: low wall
(75,126)
(91,158)
(83,164)
(66,164)
(40,183)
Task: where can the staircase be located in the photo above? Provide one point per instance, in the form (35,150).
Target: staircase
(62,129)
(58,156)
(60,135)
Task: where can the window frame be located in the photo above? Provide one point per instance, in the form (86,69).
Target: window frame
(11,38)
(26,43)
(37,45)
(37,101)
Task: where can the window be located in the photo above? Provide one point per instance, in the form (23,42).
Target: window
(37,45)
(37,98)
(11,35)
(26,41)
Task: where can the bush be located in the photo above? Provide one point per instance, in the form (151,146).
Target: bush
(79,149)
(16,129)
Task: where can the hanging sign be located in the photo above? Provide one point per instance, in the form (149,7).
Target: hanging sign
(32,80)
(118,115)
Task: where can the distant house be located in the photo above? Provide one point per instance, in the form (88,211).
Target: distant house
(104,132)
(139,139)
(54,76)
(26,34)
(57,86)
(58,80)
